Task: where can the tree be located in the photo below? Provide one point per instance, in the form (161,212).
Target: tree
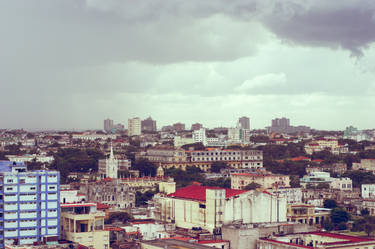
(196,146)
(365,212)
(329,203)
(217,166)
(141,199)
(327,225)
(342,226)
(145,167)
(220,182)
(369,225)
(339,215)
(252,186)
(122,217)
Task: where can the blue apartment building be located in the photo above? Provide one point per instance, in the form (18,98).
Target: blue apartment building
(29,204)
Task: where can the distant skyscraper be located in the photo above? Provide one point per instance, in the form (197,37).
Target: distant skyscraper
(148,124)
(134,127)
(179,127)
(244,123)
(283,125)
(108,125)
(196,126)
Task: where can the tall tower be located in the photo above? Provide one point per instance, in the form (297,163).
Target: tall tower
(134,127)
(111,165)
(244,123)
(108,125)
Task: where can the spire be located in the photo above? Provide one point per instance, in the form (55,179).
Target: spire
(111,153)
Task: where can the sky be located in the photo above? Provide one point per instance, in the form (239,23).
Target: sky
(69,64)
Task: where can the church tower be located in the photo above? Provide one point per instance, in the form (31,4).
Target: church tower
(160,172)
(111,165)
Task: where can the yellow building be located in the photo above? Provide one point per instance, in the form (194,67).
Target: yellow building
(266,180)
(82,223)
(307,214)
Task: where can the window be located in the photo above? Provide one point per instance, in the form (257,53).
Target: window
(32,188)
(9,180)
(10,189)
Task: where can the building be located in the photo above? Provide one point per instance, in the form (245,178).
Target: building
(365,164)
(179,141)
(196,126)
(199,136)
(307,214)
(112,192)
(292,195)
(173,243)
(84,224)
(179,127)
(313,179)
(244,123)
(31,204)
(108,125)
(282,125)
(368,191)
(317,239)
(329,144)
(113,167)
(265,179)
(148,125)
(134,127)
(210,207)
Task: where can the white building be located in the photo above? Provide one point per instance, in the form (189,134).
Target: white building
(112,167)
(71,196)
(368,191)
(134,127)
(211,207)
(315,178)
(199,136)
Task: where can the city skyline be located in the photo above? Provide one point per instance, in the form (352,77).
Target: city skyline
(70,64)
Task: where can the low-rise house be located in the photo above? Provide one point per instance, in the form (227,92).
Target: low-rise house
(365,164)
(368,191)
(82,223)
(307,214)
(266,179)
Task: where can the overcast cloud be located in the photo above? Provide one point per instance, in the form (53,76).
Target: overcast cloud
(68,64)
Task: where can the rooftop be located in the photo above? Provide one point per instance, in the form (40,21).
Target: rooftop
(195,192)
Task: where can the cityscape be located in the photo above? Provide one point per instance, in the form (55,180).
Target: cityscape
(243,124)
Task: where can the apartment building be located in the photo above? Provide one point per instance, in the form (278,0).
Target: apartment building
(134,127)
(29,203)
(84,224)
(329,144)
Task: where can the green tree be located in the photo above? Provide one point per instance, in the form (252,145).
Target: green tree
(141,199)
(327,225)
(329,203)
(339,215)
(217,166)
(122,217)
(145,167)
(365,212)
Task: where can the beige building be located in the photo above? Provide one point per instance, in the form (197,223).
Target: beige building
(134,127)
(211,207)
(266,180)
(365,164)
(82,223)
(326,144)
(307,214)
(315,240)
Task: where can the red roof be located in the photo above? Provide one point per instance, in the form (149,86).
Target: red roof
(77,205)
(102,206)
(111,228)
(212,241)
(198,193)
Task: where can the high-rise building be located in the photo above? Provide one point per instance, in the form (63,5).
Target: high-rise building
(134,127)
(244,123)
(283,125)
(179,127)
(30,204)
(196,126)
(148,124)
(199,136)
(108,125)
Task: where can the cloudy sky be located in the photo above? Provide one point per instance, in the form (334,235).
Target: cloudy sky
(72,63)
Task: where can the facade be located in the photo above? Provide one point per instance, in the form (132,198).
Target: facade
(30,203)
(282,125)
(111,192)
(307,214)
(329,144)
(179,127)
(134,127)
(244,123)
(292,195)
(199,136)
(210,207)
(179,141)
(266,180)
(365,164)
(196,126)
(368,191)
(148,125)
(316,178)
(30,158)
(108,125)
(82,223)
